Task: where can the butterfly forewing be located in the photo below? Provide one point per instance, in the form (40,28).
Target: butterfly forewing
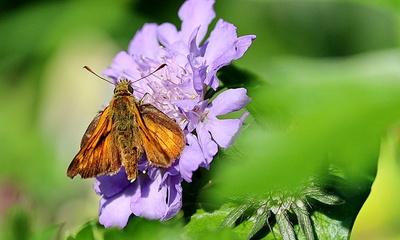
(97,155)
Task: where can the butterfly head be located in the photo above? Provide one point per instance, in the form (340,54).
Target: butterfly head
(123,87)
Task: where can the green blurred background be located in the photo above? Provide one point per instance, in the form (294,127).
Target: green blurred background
(47,99)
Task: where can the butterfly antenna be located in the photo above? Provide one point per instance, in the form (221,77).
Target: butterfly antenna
(159,68)
(97,75)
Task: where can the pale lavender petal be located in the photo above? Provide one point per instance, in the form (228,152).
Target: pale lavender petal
(145,42)
(151,202)
(143,163)
(220,53)
(195,13)
(153,172)
(191,109)
(193,120)
(110,185)
(193,49)
(172,170)
(229,101)
(115,211)
(167,34)
(224,131)
(123,66)
(192,157)
(186,104)
(174,189)
(199,72)
(231,48)
(208,146)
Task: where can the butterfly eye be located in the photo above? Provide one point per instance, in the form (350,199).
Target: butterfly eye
(130,89)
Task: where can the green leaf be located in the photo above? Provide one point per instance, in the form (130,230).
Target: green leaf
(137,228)
(233,215)
(327,198)
(260,220)
(329,228)
(285,227)
(303,217)
(286,214)
(89,231)
(140,228)
(205,225)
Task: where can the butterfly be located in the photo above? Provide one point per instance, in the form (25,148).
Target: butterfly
(125,131)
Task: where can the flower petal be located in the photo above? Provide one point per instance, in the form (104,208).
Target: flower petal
(228,101)
(145,42)
(151,202)
(186,104)
(199,73)
(195,13)
(167,34)
(174,188)
(110,185)
(208,146)
(191,158)
(222,47)
(224,131)
(123,66)
(115,211)
(191,109)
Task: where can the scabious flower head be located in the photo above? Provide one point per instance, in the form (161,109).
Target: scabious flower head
(179,91)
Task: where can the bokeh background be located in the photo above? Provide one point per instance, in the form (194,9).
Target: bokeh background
(47,99)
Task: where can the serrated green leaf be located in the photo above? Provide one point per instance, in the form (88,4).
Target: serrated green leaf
(285,226)
(233,215)
(303,218)
(260,220)
(329,199)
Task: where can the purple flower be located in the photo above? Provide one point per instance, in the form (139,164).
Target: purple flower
(178,90)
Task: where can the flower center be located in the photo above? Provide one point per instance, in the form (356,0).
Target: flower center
(164,86)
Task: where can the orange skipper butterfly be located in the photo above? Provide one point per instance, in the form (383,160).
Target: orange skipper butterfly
(124,131)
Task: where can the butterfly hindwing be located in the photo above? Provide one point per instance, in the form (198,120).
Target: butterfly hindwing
(163,139)
(90,129)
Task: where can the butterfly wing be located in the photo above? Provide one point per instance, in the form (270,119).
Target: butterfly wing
(98,155)
(163,140)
